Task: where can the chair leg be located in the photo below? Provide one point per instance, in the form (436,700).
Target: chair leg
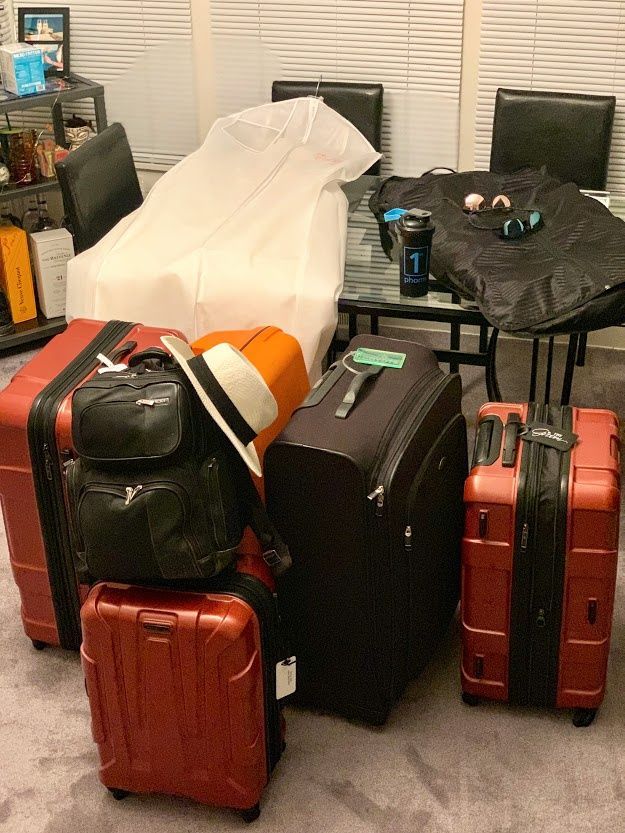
(534,370)
(549,370)
(492,384)
(454,344)
(353,325)
(581,349)
(374,327)
(569,370)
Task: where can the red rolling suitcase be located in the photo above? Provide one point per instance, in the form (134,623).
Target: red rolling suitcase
(539,557)
(35,442)
(182,690)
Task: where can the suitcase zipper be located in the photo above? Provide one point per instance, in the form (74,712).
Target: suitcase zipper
(129,493)
(404,407)
(385,466)
(385,463)
(48,483)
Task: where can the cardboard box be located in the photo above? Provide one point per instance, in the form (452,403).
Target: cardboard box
(22,68)
(15,274)
(50,251)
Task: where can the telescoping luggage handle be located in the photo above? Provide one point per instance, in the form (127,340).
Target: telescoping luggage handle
(490,430)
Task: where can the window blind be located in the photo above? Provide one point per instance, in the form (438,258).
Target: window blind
(571,46)
(412,47)
(141,52)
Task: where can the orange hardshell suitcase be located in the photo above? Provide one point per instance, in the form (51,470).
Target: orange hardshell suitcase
(279,359)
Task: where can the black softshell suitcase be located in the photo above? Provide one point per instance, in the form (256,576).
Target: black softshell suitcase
(371,507)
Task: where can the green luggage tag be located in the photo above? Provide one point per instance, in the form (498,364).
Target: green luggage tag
(379,358)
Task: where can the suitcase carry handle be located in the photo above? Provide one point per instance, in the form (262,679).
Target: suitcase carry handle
(122,351)
(487,441)
(151,353)
(351,395)
(510,437)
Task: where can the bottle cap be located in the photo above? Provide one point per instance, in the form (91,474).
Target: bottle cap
(414,219)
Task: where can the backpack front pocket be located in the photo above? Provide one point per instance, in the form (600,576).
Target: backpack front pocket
(145,532)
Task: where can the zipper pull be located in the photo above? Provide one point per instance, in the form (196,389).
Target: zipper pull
(378,496)
(524,536)
(408,539)
(540,619)
(47,461)
(149,402)
(131,493)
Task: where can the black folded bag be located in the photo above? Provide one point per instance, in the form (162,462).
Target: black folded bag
(158,494)
(567,277)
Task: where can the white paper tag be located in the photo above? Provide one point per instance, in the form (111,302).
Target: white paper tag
(286,677)
(108,366)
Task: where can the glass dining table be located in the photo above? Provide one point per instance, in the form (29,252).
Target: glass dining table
(371,288)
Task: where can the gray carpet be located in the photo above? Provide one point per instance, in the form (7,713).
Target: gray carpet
(437,767)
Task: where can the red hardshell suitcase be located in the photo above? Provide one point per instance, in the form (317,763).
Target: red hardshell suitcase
(35,442)
(182,690)
(539,557)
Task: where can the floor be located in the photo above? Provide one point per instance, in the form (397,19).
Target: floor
(438,766)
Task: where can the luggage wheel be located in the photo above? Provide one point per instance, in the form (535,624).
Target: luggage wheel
(583,717)
(38,645)
(470,699)
(118,795)
(251,815)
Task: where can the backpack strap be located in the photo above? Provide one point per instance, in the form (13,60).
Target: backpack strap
(275,552)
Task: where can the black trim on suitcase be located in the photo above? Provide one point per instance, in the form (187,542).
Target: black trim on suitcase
(49,483)
(539,566)
(252,591)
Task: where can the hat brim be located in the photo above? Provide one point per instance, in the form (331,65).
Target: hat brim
(181,351)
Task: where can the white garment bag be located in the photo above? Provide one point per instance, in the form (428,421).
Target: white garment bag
(248,230)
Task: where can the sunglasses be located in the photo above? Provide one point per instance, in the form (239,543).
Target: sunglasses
(474,203)
(516,227)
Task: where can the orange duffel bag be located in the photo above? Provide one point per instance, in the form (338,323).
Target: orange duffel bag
(279,359)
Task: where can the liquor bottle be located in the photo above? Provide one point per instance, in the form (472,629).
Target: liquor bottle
(44,220)
(30,216)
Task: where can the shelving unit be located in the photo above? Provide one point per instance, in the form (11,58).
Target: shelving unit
(40,328)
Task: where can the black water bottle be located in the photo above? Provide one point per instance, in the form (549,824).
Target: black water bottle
(415,236)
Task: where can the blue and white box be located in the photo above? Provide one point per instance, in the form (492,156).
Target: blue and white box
(22,69)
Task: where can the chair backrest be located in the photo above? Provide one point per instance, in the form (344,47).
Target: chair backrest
(570,134)
(99,184)
(361,104)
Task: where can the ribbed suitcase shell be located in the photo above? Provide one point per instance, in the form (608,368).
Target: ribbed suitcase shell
(180,691)
(590,562)
(17,476)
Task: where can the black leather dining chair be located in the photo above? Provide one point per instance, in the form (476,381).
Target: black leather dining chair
(569,133)
(99,185)
(361,104)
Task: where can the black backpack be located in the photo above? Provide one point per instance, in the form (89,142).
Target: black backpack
(158,493)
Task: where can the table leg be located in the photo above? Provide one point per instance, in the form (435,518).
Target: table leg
(100,112)
(375,324)
(454,344)
(534,370)
(549,370)
(567,383)
(59,127)
(353,325)
(483,338)
(492,385)
(581,349)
